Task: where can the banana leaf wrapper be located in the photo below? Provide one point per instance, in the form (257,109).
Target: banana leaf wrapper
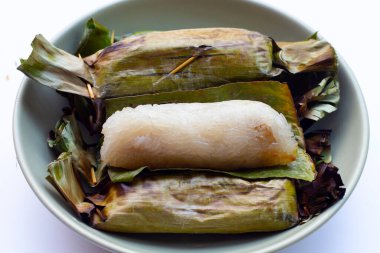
(296,56)
(154,62)
(302,168)
(273,93)
(197,203)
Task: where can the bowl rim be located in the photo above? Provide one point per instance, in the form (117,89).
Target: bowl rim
(103,243)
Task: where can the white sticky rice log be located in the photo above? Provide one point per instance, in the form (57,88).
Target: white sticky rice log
(225,135)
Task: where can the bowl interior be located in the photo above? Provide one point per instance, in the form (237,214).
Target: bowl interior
(37,109)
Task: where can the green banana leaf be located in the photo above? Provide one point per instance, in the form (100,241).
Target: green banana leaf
(95,37)
(202,203)
(321,100)
(127,176)
(67,138)
(197,203)
(314,36)
(63,177)
(273,93)
(144,63)
(56,68)
(302,168)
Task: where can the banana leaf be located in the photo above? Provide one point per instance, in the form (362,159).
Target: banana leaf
(273,93)
(56,68)
(327,188)
(145,63)
(302,168)
(197,203)
(185,203)
(63,177)
(321,100)
(318,146)
(314,36)
(95,37)
(311,55)
(67,138)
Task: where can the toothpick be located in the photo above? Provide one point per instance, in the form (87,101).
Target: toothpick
(100,214)
(177,69)
(93,177)
(112,36)
(183,65)
(89,87)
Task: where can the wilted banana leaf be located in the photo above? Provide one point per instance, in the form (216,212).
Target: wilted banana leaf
(302,168)
(86,111)
(318,146)
(63,177)
(197,203)
(321,100)
(311,55)
(95,37)
(275,94)
(55,68)
(327,188)
(67,138)
(174,60)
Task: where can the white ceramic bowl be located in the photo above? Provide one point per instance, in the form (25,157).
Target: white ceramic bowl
(33,118)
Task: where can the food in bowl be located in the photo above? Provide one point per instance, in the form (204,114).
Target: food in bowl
(147,88)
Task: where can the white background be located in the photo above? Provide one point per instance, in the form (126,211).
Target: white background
(351,26)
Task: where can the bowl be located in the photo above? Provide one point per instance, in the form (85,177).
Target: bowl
(38,108)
